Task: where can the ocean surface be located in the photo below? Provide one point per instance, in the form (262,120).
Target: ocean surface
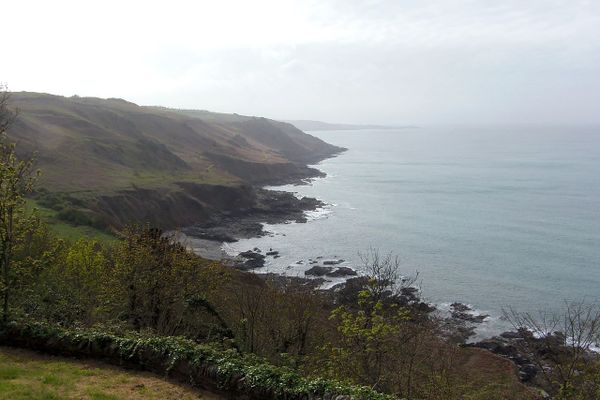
(489,216)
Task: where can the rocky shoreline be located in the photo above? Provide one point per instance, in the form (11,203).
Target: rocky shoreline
(270,206)
(276,207)
(458,323)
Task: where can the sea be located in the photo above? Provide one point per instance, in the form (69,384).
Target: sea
(496,217)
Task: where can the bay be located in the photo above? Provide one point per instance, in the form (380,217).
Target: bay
(492,216)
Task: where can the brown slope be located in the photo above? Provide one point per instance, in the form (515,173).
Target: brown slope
(285,138)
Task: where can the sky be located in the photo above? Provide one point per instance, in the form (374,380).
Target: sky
(370,61)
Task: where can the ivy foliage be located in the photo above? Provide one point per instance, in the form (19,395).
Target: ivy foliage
(184,359)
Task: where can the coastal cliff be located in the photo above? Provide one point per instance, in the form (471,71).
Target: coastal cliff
(109,162)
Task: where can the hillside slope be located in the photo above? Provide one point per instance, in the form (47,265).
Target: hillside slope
(111,161)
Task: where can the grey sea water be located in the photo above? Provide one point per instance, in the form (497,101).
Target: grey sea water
(489,216)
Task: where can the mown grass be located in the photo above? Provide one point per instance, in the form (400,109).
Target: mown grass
(32,376)
(65,230)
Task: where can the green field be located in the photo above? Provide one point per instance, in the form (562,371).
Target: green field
(26,375)
(65,230)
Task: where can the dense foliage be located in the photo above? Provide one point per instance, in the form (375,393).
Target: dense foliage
(150,288)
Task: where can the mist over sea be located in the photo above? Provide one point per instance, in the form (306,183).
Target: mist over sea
(489,216)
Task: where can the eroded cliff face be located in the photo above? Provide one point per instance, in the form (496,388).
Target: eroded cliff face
(222,213)
(169,208)
(190,203)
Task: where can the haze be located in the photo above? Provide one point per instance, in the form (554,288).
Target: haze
(392,62)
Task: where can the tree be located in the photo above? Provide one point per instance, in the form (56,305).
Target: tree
(367,339)
(374,323)
(16,181)
(157,284)
(277,319)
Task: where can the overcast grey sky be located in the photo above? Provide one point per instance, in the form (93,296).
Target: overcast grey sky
(377,61)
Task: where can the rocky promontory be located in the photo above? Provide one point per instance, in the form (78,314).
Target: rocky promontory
(268,206)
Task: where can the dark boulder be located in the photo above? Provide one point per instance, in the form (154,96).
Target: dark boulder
(332,262)
(460,307)
(317,270)
(253,260)
(342,271)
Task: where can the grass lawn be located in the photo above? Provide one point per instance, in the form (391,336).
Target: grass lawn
(28,375)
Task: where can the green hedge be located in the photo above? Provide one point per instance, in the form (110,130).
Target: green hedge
(202,365)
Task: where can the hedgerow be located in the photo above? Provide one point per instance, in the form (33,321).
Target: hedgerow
(204,365)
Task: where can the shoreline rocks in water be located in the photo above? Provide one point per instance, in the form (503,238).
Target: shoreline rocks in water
(270,206)
(328,269)
(318,270)
(251,259)
(341,272)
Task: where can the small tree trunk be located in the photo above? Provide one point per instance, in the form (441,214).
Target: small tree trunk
(4,290)
(6,266)
(5,278)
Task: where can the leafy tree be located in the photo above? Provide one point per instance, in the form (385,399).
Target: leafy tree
(367,336)
(37,273)
(69,286)
(16,181)
(373,325)
(157,284)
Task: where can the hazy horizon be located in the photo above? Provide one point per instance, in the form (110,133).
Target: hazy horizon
(374,62)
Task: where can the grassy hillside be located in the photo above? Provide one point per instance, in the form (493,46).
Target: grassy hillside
(33,376)
(90,144)
(95,153)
